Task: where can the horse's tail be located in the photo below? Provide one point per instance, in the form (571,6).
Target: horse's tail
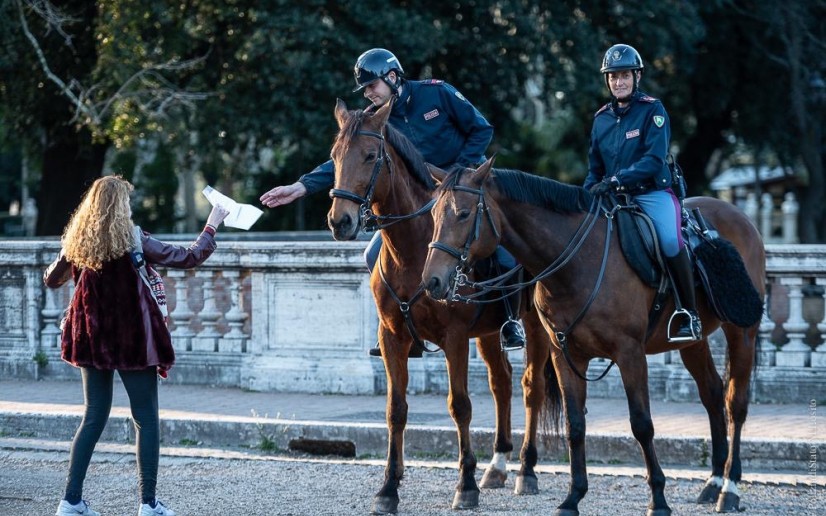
(552,408)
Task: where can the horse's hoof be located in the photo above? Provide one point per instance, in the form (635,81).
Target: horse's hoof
(466,500)
(658,512)
(526,485)
(493,479)
(709,495)
(566,512)
(728,502)
(385,505)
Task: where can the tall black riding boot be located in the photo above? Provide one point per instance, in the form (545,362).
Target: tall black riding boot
(682,274)
(512,333)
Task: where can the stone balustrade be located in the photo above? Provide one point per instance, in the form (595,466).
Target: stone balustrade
(299,317)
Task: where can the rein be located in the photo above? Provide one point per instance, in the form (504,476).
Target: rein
(369,220)
(573,246)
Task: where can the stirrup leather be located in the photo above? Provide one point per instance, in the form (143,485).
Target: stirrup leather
(694,325)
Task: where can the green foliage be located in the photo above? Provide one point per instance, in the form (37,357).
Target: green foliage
(41,359)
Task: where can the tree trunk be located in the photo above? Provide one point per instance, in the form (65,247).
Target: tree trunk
(70,163)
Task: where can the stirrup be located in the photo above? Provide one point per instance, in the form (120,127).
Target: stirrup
(520,332)
(693,324)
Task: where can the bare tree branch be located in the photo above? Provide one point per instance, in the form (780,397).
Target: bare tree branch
(147,88)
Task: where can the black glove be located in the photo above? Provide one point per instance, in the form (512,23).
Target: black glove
(603,187)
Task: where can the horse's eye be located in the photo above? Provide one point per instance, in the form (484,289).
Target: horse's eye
(370,157)
(464,214)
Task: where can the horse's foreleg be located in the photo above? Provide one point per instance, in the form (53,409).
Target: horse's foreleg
(500,374)
(534,384)
(741,354)
(459,406)
(634,372)
(573,402)
(394,354)
(698,360)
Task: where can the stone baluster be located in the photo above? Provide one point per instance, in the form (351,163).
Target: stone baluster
(766,212)
(234,341)
(789,207)
(819,354)
(181,315)
(751,208)
(207,338)
(52,314)
(767,348)
(796,353)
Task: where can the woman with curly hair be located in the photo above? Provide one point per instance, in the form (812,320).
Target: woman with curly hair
(114,323)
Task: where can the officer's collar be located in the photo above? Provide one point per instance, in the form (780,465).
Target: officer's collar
(615,107)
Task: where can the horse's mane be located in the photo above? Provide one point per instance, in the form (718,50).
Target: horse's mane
(532,189)
(409,154)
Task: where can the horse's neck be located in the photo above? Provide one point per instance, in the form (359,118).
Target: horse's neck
(407,240)
(537,236)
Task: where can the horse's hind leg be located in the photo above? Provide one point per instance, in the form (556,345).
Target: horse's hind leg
(634,371)
(500,381)
(459,406)
(741,353)
(698,360)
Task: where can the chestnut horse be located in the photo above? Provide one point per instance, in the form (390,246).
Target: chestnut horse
(542,222)
(380,177)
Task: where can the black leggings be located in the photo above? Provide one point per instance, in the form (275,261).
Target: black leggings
(142,388)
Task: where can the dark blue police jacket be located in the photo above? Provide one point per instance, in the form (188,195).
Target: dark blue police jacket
(631,143)
(442,124)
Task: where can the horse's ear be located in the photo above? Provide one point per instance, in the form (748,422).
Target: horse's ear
(383,113)
(436,173)
(484,169)
(341,112)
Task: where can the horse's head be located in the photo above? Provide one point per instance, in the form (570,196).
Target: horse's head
(464,230)
(359,155)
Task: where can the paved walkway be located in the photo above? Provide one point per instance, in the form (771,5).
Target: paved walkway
(801,422)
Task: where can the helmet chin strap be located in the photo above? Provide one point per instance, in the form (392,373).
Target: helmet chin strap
(394,87)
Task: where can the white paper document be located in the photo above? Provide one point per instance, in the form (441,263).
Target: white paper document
(241,216)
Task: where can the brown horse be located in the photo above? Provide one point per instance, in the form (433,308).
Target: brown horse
(380,176)
(536,218)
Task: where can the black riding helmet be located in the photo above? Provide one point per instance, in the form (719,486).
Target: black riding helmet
(618,58)
(375,64)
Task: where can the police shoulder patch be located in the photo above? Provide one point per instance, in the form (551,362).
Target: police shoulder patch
(460,96)
(649,99)
(659,120)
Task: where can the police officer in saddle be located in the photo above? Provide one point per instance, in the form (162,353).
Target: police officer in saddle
(629,144)
(443,125)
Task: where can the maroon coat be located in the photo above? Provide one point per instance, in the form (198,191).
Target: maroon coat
(113,322)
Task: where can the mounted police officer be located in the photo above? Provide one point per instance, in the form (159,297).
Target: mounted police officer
(443,125)
(629,143)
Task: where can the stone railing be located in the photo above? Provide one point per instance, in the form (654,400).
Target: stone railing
(299,316)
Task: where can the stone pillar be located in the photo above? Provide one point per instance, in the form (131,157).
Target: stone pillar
(819,354)
(790,209)
(796,353)
(234,340)
(52,314)
(207,338)
(181,315)
(766,210)
(765,357)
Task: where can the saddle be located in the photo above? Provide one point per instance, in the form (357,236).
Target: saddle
(641,248)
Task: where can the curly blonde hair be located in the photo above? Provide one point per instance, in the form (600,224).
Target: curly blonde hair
(101,228)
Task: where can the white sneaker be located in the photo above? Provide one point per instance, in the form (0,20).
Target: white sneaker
(159,510)
(81,509)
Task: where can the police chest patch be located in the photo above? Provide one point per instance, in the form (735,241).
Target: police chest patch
(431,114)
(632,134)
(659,120)
(460,96)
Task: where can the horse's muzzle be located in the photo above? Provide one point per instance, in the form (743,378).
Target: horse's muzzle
(345,228)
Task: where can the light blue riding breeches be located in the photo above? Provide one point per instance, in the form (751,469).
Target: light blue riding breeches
(664,209)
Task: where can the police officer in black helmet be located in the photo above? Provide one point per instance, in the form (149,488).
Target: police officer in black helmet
(443,125)
(630,140)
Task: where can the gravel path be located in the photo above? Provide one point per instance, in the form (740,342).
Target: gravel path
(31,483)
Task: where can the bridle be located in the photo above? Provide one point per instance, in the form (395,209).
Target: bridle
(368,220)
